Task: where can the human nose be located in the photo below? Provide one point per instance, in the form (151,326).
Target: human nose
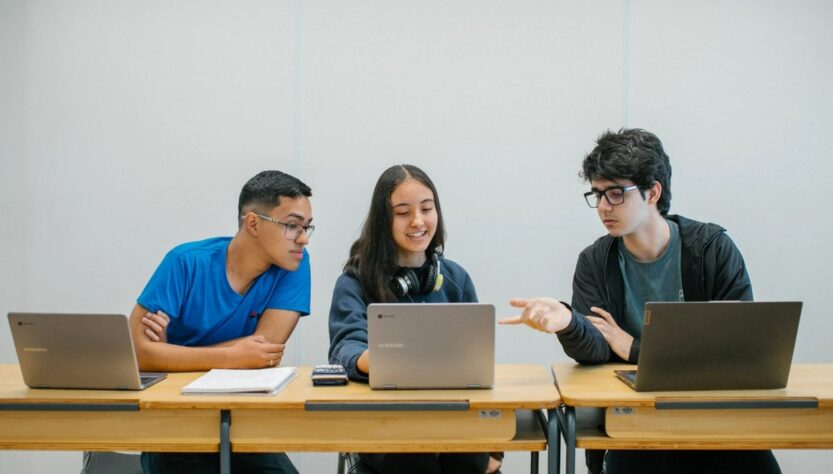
(603,203)
(417,220)
(302,237)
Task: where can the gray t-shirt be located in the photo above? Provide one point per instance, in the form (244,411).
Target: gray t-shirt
(659,280)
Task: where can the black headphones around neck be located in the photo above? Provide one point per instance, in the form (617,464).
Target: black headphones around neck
(407,281)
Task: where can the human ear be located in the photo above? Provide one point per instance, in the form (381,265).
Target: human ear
(249,223)
(654,193)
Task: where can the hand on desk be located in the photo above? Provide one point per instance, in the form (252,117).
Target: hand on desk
(156,326)
(254,352)
(619,341)
(543,314)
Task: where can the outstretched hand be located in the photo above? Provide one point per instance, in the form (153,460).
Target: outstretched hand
(543,314)
(619,341)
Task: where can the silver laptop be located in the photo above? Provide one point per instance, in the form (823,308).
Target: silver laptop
(89,351)
(431,345)
(716,345)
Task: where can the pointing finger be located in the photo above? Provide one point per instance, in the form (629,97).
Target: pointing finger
(512,320)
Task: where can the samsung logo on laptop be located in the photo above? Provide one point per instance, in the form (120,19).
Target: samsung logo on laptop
(391,345)
(35,349)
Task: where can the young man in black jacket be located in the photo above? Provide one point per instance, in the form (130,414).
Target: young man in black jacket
(647,255)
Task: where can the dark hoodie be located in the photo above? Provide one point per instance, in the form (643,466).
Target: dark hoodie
(712,269)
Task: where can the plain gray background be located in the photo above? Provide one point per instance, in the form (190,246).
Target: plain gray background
(128,127)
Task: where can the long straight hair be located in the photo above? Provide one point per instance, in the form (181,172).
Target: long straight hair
(373,255)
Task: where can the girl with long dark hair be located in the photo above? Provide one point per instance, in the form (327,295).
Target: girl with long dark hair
(398,258)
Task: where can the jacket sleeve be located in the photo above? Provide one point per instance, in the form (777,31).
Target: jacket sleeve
(469,293)
(348,326)
(580,339)
(726,277)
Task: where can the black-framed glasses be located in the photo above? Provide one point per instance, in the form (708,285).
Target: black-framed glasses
(290,230)
(615,195)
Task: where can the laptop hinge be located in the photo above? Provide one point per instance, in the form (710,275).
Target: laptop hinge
(389,387)
(473,385)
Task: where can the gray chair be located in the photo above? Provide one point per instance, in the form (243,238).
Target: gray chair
(111,463)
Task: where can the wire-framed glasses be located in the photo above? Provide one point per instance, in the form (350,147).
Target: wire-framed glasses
(290,230)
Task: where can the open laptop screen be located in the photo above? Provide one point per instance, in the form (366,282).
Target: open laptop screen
(85,351)
(431,345)
(717,345)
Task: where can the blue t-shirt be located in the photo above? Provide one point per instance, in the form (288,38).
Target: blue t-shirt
(192,288)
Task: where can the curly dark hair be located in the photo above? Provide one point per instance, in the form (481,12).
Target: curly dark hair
(632,154)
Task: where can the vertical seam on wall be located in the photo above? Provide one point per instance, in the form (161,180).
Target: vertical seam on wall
(296,92)
(626,19)
(296,125)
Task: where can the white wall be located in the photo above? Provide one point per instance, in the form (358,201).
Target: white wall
(128,127)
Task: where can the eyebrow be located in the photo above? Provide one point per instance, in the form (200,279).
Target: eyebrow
(429,200)
(615,186)
(301,218)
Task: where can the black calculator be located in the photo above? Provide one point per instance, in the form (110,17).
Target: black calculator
(332,374)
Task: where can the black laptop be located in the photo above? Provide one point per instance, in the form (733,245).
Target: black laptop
(715,345)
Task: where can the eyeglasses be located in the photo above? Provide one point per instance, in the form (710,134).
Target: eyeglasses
(291,230)
(615,195)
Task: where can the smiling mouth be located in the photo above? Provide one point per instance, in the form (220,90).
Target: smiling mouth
(417,235)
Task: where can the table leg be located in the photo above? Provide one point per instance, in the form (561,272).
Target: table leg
(553,442)
(570,439)
(552,431)
(341,462)
(225,444)
(533,462)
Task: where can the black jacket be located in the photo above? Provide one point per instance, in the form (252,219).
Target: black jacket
(712,269)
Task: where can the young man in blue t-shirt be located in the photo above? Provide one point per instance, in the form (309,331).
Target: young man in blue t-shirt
(646,255)
(230,302)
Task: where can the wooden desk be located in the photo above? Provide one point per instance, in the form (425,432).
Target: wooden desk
(97,420)
(509,417)
(799,416)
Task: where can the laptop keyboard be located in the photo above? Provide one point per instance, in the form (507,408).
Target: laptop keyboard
(146,379)
(627,376)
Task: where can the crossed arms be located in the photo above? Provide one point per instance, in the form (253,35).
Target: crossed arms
(264,348)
